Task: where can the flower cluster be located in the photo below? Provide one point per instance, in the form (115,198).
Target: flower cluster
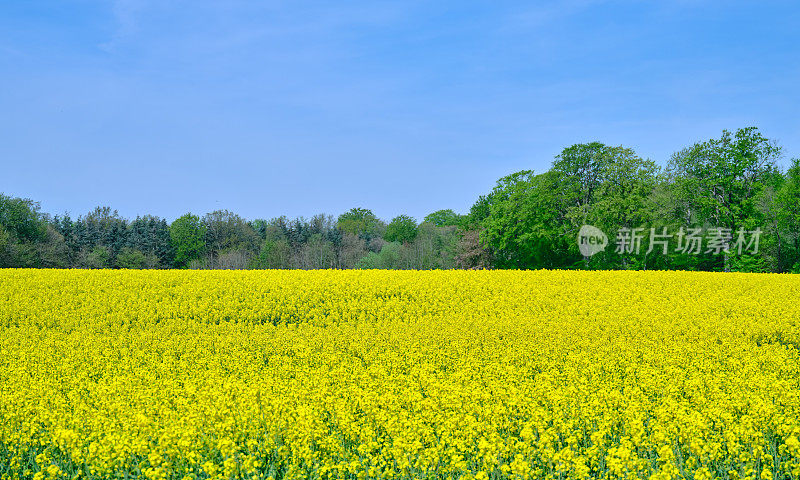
(398,375)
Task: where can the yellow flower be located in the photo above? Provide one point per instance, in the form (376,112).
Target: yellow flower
(398,374)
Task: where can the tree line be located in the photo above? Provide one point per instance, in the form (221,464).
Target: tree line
(713,191)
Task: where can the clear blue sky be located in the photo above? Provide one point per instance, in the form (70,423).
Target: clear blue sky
(269,108)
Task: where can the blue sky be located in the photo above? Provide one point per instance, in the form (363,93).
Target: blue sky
(269,108)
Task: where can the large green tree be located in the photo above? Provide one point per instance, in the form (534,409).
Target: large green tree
(523,226)
(361,222)
(718,181)
(603,185)
(20,217)
(608,187)
(188,236)
(533,220)
(21,228)
(227,232)
(401,229)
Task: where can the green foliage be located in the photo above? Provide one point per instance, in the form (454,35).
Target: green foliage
(391,256)
(187,235)
(478,212)
(718,180)
(433,248)
(444,218)
(274,253)
(371,260)
(25,235)
(788,212)
(52,251)
(103,226)
(609,188)
(401,229)
(533,220)
(360,222)
(131,258)
(227,232)
(601,185)
(99,257)
(6,252)
(20,218)
(528,220)
(523,227)
(748,263)
(151,236)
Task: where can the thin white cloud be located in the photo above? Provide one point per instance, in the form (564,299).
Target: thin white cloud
(126,15)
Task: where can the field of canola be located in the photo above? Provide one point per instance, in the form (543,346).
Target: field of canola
(379,374)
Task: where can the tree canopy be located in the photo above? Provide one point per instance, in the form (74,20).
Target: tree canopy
(725,203)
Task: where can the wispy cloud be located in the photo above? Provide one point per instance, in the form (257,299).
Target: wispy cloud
(126,15)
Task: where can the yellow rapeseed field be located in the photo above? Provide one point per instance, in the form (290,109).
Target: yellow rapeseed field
(387,374)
